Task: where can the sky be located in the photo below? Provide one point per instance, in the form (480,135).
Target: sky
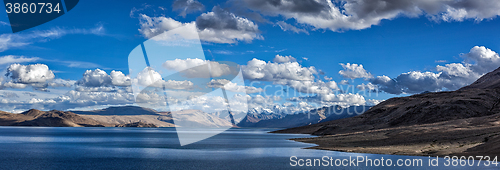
(323,52)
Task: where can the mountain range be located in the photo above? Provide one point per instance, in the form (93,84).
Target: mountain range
(127,116)
(282,120)
(461,122)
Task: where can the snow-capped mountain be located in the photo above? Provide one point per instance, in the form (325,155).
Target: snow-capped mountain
(285,117)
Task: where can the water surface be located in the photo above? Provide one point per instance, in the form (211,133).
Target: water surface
(158,148)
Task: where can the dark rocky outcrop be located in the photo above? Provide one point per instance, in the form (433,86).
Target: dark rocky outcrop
(138,124)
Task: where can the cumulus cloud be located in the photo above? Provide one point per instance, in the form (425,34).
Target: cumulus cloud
(38,76)
(341,99)
(151,78)
(98,78)
(187,6)
(362,14)
(95,78)
(218,26)
(148,77)
(310,87)
(119,79)
(354,71)
(27,74)
(260,70)
(479,61)
(224,27)
(69,100)
(283,59)
(192,68)
(301,79)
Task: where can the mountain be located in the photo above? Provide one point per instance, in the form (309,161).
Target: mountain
(466,119)
(122,110)
(282,120)
(133,116)
(488,81)
(52,118)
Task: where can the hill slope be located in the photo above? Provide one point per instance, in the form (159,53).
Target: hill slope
(444,112)
(52,118)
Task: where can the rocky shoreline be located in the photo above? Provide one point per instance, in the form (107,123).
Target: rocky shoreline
(467,137)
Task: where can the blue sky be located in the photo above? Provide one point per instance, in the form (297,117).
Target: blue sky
(102,36)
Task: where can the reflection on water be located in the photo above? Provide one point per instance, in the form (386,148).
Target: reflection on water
(141,148)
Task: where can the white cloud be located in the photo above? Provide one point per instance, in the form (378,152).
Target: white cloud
(452,76)
(96,89)
(172,84)
(151,78)
(368,87)
(192,68)
(8,59)
(27,74)
(99,78)
(301,79)
(148,77)
(329,99)
(70,100)
(362,14)
(95,78)
(11,40)
(373,102)
(119,79)
(344,82)
(14,85)
(218,26)
(38,76)
(354,71)
(260,70)
(283,59)
(61,83)
(234,87)
(79,64)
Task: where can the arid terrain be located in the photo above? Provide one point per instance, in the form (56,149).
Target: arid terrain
(462,122)
(57,118)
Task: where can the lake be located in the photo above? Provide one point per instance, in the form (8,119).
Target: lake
(158,148)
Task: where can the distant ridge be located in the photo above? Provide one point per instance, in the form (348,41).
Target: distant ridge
(133,116)
(301,119)
(122,110)
(56,118)
(53,118)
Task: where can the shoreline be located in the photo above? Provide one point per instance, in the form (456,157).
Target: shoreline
(449,138)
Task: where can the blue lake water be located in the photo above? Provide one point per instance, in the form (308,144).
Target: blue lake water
(158,148)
